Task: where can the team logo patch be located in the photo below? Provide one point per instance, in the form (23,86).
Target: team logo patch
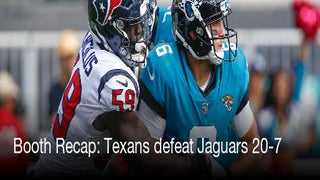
(204,108)
(228,101)
(104,9)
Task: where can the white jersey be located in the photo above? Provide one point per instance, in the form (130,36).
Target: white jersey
(100,82)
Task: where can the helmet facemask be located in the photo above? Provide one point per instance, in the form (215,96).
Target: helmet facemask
(137,35)
(193,22)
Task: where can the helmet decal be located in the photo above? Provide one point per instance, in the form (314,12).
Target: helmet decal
(188,11)
(187,7)
(105,10)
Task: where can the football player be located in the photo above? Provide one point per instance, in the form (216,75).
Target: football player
(161,27)
(98,104)
(197,87)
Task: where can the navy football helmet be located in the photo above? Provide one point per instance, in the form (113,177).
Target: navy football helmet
(197,16)
(121,26)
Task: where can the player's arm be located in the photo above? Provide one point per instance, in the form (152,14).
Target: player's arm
(153,116)
(126,126)
(151,113)
(300,68)
(118,93)
(245,128)
(156,127)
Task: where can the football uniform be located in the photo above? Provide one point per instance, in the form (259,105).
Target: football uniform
(100,82)
(169,89)
(164,31)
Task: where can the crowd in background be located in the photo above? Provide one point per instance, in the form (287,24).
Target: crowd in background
(284,110)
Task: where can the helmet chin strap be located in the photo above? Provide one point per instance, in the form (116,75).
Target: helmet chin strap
(142,50)
(215,57)
(140,46)
(138,58)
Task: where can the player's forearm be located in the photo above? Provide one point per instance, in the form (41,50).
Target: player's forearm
(247,161)
(151,162)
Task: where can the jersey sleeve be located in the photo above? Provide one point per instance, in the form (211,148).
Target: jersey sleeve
(118,90)
(156,125)
(242,121)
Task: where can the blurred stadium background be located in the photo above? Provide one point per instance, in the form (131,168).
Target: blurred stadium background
(29,32)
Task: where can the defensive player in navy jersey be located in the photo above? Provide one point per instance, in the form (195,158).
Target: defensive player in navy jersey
(197,87)
(97,108)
